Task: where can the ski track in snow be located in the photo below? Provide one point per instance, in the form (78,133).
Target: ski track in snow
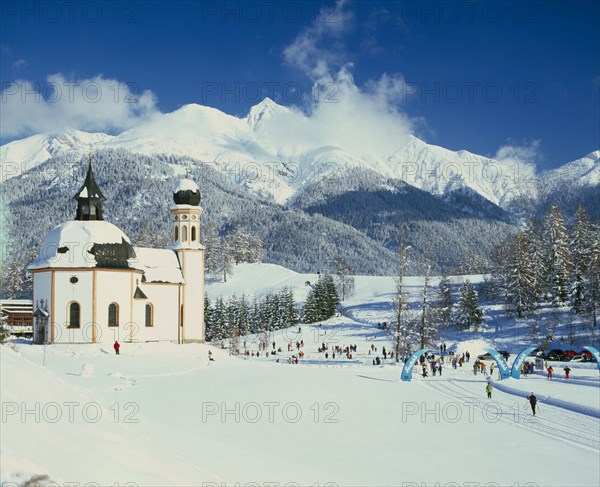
(554,422)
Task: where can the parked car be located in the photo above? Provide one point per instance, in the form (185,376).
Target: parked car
(538,352)
(586,353)
(570,353)
(485,356)
(556,356)
(582,358)
(504,353)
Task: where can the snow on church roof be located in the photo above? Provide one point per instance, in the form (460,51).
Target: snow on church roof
(185,185)
(68,245)
(159,265)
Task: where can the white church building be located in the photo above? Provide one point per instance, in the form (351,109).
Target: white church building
(91,285)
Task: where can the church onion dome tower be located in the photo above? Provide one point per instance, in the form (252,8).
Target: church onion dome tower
(186,216)
(186,192)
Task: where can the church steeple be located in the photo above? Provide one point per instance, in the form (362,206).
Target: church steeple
(89,198)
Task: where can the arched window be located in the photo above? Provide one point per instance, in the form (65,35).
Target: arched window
(113,314)
(184,233)
(149,315)
(176,233)
(194,233)
(74,315)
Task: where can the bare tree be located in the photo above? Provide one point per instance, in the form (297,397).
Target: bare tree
(344,277)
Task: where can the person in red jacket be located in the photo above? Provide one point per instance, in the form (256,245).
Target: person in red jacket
(550,370)
(116,346)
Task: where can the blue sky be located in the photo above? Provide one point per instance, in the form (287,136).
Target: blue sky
(489,77)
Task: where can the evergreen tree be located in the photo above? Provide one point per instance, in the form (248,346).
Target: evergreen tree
(582,248)
(211,242)
(538,255)
(220,319)
(520,283)
(4,331)
(469,315)
(445,298)
(559,256)
(322,300)
(310,311)
(209,325)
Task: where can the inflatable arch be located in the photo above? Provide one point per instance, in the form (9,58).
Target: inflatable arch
(500,363)
(595,353)
(409,365)
(515,371)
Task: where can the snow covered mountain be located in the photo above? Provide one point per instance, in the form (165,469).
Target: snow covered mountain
(581,173)
(277,151)
(34,150)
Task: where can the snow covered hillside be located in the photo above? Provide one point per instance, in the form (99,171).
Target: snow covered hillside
(164,414)
(32,151)
(278,151)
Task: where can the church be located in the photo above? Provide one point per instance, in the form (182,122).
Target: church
(91,285)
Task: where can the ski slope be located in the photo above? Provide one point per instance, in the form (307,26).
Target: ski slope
(169,416)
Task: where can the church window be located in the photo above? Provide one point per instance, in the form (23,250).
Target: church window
(113,314)
(149,315)
(74,315)
(193,234)
(184,236)
(176,234)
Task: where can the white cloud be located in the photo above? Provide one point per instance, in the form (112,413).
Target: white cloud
(364,120)
(318,48)
(527,153)
(93,104)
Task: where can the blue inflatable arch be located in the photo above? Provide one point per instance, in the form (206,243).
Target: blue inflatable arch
(500,363)
(409,365)
(515,371)
(595,353)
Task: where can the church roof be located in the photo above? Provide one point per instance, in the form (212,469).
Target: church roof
(159,265)
(79,243)
(90,188)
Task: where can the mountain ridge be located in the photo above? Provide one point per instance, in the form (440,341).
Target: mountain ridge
(276,151)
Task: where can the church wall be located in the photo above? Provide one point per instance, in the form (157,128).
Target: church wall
(164,299)
(192,263)
(114,286)
(66,292)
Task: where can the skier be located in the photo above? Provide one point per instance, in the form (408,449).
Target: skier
(550,370)
(567,371)
(533,402)
(475,367)
(489,388)
(116,346)
(440,368)
(424,371)
(492,369)
(210,357)
(484,369)
(468,355)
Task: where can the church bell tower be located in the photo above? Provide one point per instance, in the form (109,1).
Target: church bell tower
(89,198)
(186,213)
